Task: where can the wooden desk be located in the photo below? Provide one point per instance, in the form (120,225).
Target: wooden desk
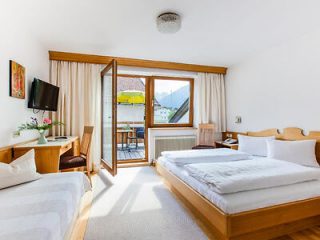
(47,156)
(222,144)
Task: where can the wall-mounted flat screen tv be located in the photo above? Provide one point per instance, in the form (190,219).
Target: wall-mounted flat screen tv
(43,96)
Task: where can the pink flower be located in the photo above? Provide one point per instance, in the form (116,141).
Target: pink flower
(47,121)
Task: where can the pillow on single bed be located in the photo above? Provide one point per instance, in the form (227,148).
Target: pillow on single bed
(21,170)
(300,152)
(256,146)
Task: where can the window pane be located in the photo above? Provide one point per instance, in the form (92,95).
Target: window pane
(171,101)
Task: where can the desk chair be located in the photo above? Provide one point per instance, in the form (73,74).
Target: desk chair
(71,162)
(139,135)
(205,137)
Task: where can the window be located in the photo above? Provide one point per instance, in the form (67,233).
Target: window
(171,102)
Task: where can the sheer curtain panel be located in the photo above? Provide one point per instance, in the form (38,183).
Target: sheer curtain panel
(79,102)
(212,103)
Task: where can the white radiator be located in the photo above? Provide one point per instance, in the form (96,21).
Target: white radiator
(172,143)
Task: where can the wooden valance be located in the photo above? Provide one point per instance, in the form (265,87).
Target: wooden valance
(133,62)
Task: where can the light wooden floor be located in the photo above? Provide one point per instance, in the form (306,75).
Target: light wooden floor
(308,234)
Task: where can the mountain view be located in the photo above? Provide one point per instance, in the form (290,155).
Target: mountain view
(175,99)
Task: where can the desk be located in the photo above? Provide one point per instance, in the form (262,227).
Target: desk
(47,156)
(222,144)
(123,132)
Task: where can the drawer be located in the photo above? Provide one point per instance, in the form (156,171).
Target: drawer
(65,148)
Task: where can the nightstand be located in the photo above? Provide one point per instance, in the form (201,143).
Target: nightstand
(221,144)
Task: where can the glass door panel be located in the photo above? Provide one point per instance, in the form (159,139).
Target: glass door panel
(109,117)
(131,133)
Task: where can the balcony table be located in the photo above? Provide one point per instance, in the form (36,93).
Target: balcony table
(123,132)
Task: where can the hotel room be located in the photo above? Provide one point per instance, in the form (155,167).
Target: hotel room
(159,120)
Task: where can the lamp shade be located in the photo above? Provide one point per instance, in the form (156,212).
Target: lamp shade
(169,23)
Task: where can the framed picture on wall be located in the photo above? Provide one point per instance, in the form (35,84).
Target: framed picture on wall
(17,80)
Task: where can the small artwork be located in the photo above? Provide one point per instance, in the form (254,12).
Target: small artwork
(17,80)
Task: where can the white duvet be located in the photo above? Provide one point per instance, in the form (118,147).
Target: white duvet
(231,177)
(43,209)
(204,156)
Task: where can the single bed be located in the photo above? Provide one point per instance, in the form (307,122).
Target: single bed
(52,207)
(257,214)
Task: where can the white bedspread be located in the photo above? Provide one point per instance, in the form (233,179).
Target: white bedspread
(204,156)
(43,209)
(247,200)
(252,174)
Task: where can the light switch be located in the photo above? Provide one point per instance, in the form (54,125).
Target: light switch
(238,119)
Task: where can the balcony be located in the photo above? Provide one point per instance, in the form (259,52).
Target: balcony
(130,141)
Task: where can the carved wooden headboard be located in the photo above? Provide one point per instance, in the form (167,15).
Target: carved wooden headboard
(292,134)
(6,154)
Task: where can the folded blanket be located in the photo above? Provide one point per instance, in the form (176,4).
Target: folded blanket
(204,156)
(230,177)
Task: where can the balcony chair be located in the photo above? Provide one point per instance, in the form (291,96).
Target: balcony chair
(139,135)
(72,162)
(205,139)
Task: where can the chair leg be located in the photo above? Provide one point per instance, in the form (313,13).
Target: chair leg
(88,171)
(89,176)
(136,143)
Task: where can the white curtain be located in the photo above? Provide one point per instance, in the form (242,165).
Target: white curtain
(79,102)
(212,103)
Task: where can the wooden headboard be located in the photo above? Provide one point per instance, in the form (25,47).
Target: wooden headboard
(6,154)
(292,134)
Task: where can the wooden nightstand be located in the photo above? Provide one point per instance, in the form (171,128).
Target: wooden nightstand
(221,144)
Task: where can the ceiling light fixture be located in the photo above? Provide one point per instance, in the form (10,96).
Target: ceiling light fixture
(169,22)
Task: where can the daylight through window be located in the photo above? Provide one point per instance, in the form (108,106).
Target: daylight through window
(171,101)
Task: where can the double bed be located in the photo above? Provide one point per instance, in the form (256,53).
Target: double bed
(254,214)
(245,200)
(52,207)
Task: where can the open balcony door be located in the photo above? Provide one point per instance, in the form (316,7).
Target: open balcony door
(109,117)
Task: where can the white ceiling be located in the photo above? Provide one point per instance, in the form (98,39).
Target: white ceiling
(214,32)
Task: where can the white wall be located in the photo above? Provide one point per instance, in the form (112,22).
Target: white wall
(17,44)
(277,88)
(130,113)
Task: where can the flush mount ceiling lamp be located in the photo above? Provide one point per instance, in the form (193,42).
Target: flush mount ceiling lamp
(169,22)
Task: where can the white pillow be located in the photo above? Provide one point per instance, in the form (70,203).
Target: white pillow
(21,170)
(300,152)
(256,146)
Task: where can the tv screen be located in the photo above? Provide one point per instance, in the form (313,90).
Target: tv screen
(43,96)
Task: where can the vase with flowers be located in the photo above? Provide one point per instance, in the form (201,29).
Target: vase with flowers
(41,127)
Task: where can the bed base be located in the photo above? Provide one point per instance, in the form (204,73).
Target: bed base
(265,223)
(80,225)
